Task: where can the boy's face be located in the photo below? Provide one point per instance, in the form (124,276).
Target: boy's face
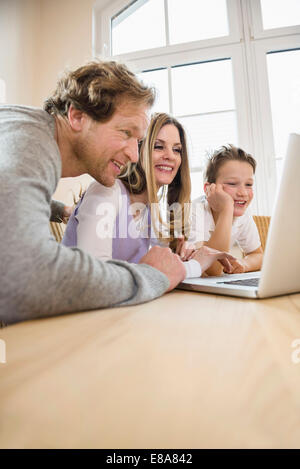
(237,180)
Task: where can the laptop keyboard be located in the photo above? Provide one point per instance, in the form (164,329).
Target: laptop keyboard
(248,282)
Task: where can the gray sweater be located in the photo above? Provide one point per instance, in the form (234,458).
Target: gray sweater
(38,276)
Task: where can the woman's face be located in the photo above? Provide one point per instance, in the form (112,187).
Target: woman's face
(166,156)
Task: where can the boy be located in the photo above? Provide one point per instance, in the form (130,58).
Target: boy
(229,191)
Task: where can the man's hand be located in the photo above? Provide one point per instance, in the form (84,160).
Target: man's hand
(217,198)
(166,262)
(207,256)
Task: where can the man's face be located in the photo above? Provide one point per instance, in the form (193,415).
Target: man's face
(102,149)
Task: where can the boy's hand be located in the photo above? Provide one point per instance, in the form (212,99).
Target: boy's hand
(207,256)
(217,198)
(184,249)
(238,267)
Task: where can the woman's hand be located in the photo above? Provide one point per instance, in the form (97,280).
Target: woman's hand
(67,213)
(184,249)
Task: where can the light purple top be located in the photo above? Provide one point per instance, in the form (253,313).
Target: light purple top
(128,243)
(102,224)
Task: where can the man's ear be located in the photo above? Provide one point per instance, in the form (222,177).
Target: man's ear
(76,118)
(206,184)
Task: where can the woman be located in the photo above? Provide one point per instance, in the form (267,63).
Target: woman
(148,204)
(162,178)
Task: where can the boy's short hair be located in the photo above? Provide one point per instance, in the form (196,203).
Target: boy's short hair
(221,156)
(96,89)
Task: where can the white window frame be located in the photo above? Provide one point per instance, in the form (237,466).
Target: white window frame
(261,48)
(246,45)
(257,30)
(102,33)
(259,43)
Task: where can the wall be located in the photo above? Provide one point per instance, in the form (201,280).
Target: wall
(38,40)
(19,28)
(65,40)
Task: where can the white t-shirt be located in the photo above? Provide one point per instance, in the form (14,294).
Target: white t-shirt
(244,230)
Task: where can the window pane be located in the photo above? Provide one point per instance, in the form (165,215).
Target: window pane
(140,26)
(284,82)
(197,184)
(280,13)
(158,79)
(207,133)
(203,87)
(192,20)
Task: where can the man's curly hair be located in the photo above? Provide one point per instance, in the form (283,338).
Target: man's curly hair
(96,89)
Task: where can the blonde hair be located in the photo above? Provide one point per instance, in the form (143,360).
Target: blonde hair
(139,177)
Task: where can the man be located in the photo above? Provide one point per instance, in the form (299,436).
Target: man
(91,124)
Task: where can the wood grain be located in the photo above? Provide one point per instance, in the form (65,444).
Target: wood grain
(188,370)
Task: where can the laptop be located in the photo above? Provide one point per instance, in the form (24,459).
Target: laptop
(280,273)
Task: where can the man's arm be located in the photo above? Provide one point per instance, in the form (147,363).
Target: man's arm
(52,280)
(38,276)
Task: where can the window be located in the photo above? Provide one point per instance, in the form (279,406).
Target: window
(142,24)
(227,69)
(206,108)
(278,13)
(284,84)
(193,20)
(158,79)
(132,29)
